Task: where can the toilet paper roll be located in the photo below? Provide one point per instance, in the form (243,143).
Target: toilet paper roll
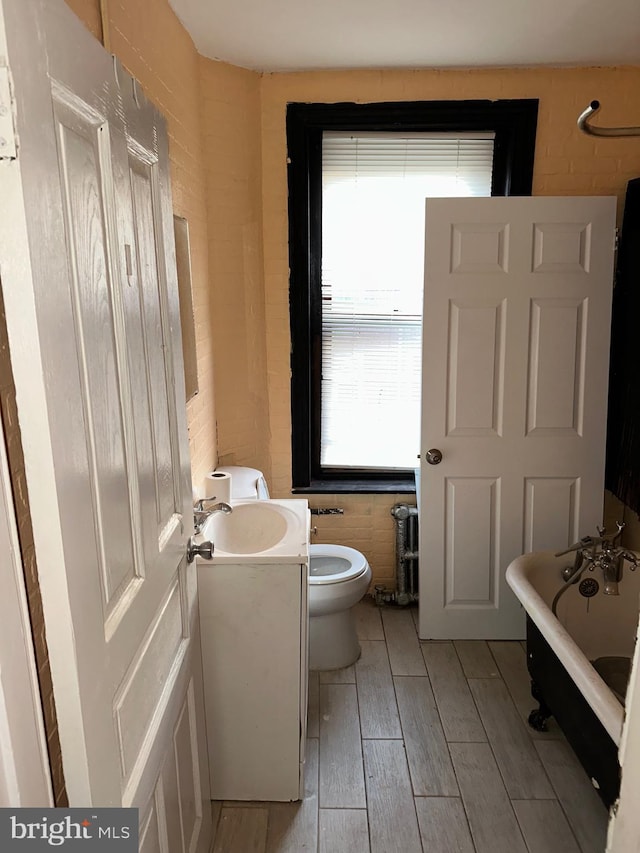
(218,484)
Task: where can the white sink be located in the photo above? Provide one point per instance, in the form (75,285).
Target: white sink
(259,531)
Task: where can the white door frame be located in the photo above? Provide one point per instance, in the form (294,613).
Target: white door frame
(25,778)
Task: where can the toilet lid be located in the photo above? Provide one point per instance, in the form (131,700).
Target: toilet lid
(335,563)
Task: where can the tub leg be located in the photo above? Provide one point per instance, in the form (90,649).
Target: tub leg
(539,716)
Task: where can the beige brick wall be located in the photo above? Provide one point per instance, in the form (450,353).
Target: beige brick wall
(89,13)
(232,139)
(567,163)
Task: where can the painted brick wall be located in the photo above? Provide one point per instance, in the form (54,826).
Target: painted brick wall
(567,163)
(232,139)
(89,13)
(155,48)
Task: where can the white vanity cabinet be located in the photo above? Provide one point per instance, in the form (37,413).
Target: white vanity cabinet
(254,626)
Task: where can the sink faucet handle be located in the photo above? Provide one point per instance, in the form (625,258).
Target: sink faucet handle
(199,504)
(200,515)
(631,558)
(199,518)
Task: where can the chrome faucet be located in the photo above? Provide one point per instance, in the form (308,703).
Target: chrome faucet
(611,560)
(603,552)
(200,514)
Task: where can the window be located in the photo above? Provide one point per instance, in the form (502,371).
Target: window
(358,177)
(373,191)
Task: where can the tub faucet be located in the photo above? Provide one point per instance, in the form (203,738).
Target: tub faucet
(611,562)
(611,566)
(611,559)
(603,552)
(200,514)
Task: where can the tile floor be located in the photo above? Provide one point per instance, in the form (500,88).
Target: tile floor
(423,747)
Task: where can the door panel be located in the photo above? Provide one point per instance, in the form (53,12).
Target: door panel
(146,683)
(476,368)
(141,176)
(551,512)
(479,248)
(515,371)
(562,247)
(150,833)
(471,561)
(556,366)
(103,417)
(175,815)
(110,450)
(187,775)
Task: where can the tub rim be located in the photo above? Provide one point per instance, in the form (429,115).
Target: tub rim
(599,696)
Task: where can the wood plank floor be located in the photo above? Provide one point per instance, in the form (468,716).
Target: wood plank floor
(424,747)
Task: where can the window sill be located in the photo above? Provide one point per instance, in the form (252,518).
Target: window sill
(362,487)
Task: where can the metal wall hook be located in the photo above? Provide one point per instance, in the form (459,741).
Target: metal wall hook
(591,130)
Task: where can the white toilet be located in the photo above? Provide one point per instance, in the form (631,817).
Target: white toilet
(338,578)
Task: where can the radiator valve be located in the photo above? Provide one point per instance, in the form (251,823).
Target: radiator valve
(382,595)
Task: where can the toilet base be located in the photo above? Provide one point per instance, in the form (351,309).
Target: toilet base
(333,641)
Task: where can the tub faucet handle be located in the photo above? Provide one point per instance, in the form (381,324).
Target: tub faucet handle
(585,542)
(610,543)
(621,526)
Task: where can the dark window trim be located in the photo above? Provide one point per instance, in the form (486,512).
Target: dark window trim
(514,123)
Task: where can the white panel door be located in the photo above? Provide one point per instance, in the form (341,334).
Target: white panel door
(88,274)
(517,307)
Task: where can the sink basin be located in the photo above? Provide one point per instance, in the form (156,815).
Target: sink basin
(259,528)
(249,528)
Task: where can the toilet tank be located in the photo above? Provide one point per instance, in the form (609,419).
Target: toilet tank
(246,483)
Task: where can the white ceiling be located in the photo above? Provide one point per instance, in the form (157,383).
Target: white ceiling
(287,35)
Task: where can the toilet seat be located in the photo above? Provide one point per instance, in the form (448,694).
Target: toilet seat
(333,564)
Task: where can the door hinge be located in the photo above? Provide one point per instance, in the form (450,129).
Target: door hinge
(8,148)
(616,239)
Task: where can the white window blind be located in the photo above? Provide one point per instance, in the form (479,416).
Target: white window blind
(374,187)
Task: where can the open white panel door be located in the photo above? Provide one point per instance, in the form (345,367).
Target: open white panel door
(88,275)
(517,308)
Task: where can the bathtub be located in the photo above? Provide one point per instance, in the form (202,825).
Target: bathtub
(559,651)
